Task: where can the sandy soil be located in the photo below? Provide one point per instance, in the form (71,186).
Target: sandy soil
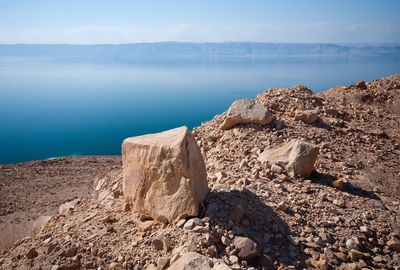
(32,189)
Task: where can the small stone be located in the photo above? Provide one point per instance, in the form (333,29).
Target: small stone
(50,248)
(114,266)
(378,259)
(351,244)
(276,169)
(355,255)
(283,206)
(341,256)
(339,184)
(225,241)
(220,175)
(71,252)
(162,263)
(180,223)
(146,225)
(192,222)
(394,244)
(339,203)
(161,242)
(32,253)
(365,230)
(360,85)
(126,207)
(200,229)
(247,248)
(233,259)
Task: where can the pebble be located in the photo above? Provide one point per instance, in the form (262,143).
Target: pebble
(32,253)
(355,255)
(339,203)
(351,244)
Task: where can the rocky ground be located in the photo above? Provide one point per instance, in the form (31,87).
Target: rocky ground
(32,189)
(345,216)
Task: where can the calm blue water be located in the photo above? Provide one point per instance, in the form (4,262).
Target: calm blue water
(58,108)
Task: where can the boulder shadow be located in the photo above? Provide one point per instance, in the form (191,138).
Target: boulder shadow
(328,179)
(244,214)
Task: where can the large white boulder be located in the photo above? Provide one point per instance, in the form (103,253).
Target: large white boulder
(164,175)
(297,156)
(245,111)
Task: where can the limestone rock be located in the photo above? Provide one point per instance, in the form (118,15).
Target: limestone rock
(192,261)
(245,111)
(308,117)
(296,156)
(164,175)
(39,224)
(248,249)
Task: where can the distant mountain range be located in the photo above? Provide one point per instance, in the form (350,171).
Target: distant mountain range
(179,49)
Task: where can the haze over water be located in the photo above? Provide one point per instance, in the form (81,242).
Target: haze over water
(59,107)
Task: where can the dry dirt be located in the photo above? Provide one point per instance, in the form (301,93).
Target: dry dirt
(32,189)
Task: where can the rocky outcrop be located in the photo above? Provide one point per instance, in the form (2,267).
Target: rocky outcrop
(245,111)
(164,175)
(297,157)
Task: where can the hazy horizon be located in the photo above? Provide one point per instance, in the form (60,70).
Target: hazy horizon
(215,42)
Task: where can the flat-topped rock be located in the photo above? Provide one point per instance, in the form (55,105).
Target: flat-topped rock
(164,175)
(245,111)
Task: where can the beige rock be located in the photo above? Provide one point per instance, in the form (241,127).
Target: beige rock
(394,244)
(297,156)
(39,224)
(164,175)
(339,184)
(192,261)
(68,206)
(308,117)
(245,111)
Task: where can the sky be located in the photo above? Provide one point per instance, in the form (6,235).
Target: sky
(131,21)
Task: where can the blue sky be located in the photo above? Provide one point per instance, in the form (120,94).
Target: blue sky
(107,21)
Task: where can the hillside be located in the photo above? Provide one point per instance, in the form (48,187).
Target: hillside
(184,49)
(346,215)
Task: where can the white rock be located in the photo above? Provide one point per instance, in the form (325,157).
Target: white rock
(297,156)
(164,175)
(192,261)
(308,117)
(245,111)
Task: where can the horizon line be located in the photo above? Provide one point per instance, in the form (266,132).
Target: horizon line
(207,42)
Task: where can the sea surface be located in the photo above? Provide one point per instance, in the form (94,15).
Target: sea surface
(52,108)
